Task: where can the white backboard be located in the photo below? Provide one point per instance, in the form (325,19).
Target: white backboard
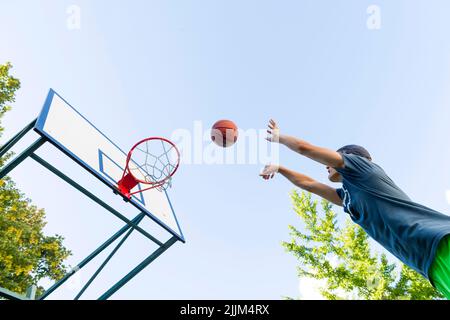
(78,138)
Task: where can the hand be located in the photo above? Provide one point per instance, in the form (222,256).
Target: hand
(273,131)
(269,171)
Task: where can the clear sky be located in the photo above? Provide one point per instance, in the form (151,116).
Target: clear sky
(142,68)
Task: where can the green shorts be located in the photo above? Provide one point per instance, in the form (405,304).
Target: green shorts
(440,269)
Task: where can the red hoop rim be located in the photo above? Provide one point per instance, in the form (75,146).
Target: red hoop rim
(157,183)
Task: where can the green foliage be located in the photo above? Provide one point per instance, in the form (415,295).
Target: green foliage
(8,86)
(341,256)
(26,254)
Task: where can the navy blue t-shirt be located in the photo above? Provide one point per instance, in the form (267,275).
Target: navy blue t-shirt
(408,230)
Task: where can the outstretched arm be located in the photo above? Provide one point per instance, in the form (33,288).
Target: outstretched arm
(323,155)
(304,182)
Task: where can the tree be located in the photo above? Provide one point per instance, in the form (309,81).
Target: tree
(8,87)
(342,258)
(27,255)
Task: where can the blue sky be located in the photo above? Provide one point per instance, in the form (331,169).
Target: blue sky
(145,68)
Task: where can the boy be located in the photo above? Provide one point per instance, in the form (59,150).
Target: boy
(415,234)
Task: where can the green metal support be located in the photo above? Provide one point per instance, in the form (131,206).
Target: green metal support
(31,292)
(21,157)
(8,145)
(113,252)
(5,293)
(138,269)
(130,226)
(93,197)
(90,257)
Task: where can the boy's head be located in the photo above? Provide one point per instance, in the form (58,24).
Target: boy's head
(333,175)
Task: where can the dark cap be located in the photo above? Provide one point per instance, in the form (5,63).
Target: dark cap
(355,149)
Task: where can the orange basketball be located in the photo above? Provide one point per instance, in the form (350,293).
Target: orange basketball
(224,133)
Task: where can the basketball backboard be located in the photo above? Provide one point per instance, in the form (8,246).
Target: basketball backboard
(68,130)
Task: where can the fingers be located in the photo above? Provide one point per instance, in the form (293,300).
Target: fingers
(268,172)
(272,124)
(263,172)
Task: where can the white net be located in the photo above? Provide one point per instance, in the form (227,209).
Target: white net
(153,162)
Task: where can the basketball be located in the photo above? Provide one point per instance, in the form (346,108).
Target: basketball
(224,133)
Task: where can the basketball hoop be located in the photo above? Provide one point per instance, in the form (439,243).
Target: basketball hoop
(151,162)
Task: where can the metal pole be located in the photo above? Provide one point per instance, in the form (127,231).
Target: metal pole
(138,269)
(28,152)
(93,197)
(11,142)
(89,258)
(5,293)
(31,292)
(105,262)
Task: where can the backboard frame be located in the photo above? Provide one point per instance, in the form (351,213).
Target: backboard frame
(39,128)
